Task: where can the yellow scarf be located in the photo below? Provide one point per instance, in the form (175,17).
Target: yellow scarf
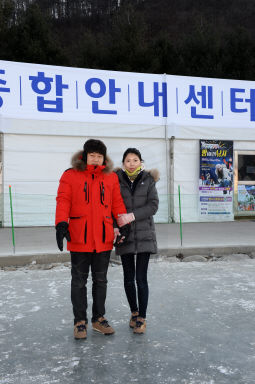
(133,175)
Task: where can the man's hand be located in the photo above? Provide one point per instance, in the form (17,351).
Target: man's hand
(125,218)
(61,232)
(116,234)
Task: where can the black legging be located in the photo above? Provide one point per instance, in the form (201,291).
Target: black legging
(138,272)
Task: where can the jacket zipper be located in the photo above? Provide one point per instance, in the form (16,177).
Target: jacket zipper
(134,224)
(103,232)
(102,193)
(85,234)
(85,190)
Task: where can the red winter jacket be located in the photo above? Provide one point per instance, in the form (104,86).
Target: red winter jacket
(87,197)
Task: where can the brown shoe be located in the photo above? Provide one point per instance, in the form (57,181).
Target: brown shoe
(133,319)
(80,330)
(102,326)
(140,326)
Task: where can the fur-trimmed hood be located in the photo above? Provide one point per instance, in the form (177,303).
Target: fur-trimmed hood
(155,174)
(78,164)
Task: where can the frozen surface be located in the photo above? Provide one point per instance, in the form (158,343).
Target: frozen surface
(201,330)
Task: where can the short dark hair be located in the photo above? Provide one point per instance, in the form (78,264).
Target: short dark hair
(134,151)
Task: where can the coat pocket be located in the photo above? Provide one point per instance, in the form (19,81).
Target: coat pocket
(107,230)
(78,229)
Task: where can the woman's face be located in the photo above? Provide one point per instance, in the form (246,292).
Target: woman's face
(132,162)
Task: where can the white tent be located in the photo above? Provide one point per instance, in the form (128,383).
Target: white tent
(47,113)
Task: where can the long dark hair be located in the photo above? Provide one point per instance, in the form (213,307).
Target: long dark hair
(134,151)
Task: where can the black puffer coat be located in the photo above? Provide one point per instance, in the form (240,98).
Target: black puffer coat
(141,198)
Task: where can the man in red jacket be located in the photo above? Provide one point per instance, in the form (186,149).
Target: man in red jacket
(88,196)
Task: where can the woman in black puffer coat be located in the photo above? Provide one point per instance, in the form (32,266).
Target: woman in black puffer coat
(140,196)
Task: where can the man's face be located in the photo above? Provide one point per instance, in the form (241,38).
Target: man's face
(95,158)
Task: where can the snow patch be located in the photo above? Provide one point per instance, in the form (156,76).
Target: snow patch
(53,289)
(36,308)
(28,290)
(249,306)
(74,363)
(224,370)
(57,369)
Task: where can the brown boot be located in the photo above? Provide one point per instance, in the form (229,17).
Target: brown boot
(102,326)
(133,319)
(80,330)
(140,326)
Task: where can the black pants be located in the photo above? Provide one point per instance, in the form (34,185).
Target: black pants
(136,272)
(81,261)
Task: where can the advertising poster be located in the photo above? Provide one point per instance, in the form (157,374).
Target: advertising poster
(246,198)
(216,180)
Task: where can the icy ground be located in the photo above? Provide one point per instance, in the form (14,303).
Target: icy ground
(201,319)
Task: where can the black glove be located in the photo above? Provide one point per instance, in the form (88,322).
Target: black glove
(124,233)
(61,232)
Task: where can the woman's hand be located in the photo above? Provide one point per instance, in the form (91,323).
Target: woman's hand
(125,218)
(118,238)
